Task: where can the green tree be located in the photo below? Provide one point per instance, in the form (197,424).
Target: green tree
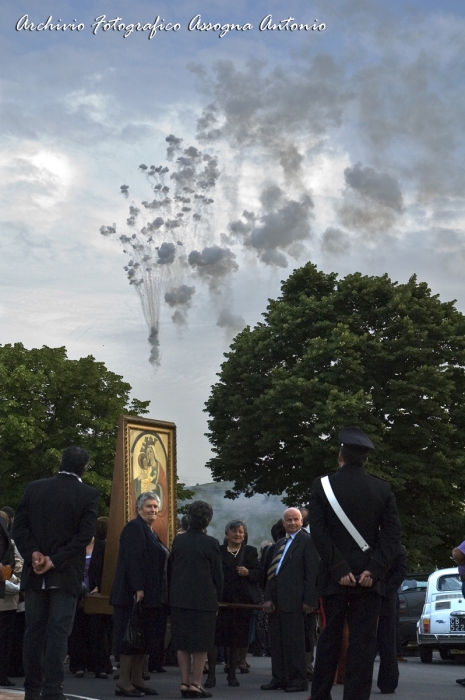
(48,402)
(363,351)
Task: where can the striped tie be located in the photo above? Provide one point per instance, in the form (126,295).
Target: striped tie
(276,559)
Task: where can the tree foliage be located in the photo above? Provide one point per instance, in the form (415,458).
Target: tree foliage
(363,351)
(48,402)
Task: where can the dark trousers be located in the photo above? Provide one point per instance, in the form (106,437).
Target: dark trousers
(287,637)
(16,652)
(7,622)
(87,644)
(388,674)
(49,621)
(361,608)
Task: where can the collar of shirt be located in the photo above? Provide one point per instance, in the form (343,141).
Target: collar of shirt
(70,474)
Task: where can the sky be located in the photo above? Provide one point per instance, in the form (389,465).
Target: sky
(341,144)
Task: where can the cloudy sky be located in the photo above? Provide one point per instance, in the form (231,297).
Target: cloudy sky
(341,144)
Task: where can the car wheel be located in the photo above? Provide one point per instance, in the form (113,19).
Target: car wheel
(426,654)
(445,654)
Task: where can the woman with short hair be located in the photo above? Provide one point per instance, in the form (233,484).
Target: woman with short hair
(196,586)
(138,578)
(242,573)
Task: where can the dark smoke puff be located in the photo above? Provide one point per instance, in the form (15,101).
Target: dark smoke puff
(186,174)
(334,241)
(230,321)
(282,228)
(271,197)
(174,145)
(179,296)
(107,230)
(213,263)
(380,187)
(154,341)
(193,152)
(166,253)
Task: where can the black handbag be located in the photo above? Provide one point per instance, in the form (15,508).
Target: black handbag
(134,634)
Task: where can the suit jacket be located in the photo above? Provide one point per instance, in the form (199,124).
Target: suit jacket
(370,504)
(195,571)
(296,582)
(58,517)
(140,565)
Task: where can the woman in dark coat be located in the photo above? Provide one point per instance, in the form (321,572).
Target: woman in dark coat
(139,577)
(196,586)
(242,573)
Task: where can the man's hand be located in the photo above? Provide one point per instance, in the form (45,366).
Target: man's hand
(37,559)
(307,608)
(268,607)
(139,596)
(242,571)
(348,580)
(44,564)
(365,579)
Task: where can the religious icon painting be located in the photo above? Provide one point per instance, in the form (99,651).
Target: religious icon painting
(150,466)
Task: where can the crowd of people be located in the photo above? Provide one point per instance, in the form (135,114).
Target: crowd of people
(335,564)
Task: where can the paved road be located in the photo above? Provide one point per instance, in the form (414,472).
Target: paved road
(418,681)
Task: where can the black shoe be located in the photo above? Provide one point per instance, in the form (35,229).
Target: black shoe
(79,674)
(199,692)
(272,685)
(460,681)
(102,675)
(296,688)
(159,670)
(133,693)
(6,683)
(233,682)
(210,682)
(145,690)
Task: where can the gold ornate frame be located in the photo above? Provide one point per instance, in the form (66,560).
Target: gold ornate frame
(150,465)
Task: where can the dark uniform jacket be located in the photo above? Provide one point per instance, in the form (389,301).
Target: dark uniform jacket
(295,583)
(140,566)
(195,572)
(58,517)
(370,505)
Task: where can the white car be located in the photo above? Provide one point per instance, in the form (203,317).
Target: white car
(442,622)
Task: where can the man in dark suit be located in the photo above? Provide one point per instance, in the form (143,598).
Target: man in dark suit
(351,579)
(55,521)
(290,594)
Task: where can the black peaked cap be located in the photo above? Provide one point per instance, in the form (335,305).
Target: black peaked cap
(354,437)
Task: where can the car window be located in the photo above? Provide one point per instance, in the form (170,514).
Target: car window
(411,584)
(450,582)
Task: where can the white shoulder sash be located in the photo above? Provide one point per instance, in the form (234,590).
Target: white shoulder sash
(334,503)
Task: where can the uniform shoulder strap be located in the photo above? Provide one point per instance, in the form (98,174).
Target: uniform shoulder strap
(334,503)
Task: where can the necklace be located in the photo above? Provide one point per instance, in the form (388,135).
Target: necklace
(234,553)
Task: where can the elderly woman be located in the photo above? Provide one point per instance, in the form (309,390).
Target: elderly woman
(242,573)
(196,587)
(139,577)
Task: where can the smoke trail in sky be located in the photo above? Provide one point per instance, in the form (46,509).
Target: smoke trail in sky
(162,229)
